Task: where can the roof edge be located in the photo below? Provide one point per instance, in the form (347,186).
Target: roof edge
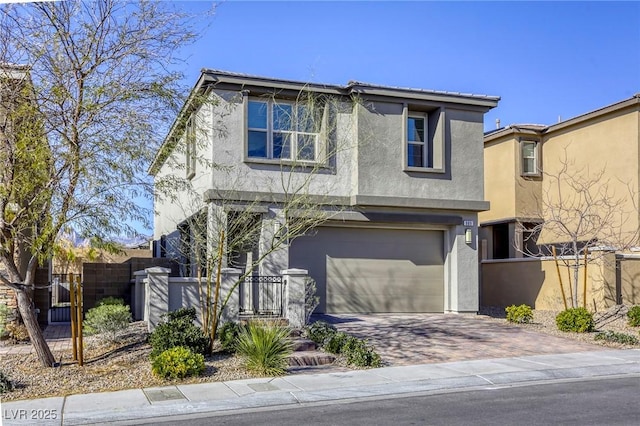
(540,129)
(352,87)
(616,106)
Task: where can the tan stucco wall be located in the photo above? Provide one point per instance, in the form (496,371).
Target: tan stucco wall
(499,180)
(630,281)
(534,282)
(527,198)
(609,143)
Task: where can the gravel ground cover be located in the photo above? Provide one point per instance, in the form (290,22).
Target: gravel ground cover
(613,319)
(126,365)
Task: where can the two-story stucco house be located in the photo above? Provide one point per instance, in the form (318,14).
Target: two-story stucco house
(522,162)
(584,173)
(398,173)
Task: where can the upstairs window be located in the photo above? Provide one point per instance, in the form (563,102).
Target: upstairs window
(417,153)
(282,130)
(423,139)
(529,160)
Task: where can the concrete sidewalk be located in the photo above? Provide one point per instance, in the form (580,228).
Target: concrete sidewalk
(138,405)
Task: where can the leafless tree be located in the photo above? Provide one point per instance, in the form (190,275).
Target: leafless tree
(234,231)
(80,124)
(581,212)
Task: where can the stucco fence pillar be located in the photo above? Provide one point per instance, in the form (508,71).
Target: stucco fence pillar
(294,281)
(156,295)
(230,286)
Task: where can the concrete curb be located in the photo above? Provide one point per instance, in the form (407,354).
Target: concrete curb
(219,397)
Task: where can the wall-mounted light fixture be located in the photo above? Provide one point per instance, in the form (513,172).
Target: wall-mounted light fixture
(468,236)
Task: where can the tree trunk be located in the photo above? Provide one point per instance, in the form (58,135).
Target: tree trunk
(35,334)
(576,272)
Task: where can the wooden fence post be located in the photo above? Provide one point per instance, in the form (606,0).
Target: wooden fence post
(79,322)
(564,298)
(72,299)
(584,284)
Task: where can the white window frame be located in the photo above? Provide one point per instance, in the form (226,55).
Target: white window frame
(434,139)
(425,145)
(536,156)
(270,131)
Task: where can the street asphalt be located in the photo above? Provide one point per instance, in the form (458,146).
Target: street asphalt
(144,405)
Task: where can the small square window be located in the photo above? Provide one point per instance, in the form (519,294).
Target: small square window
(257,144)
(258,115)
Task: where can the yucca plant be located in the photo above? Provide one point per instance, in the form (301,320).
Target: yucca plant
(265,348)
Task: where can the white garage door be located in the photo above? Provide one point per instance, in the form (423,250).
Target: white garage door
(374,270)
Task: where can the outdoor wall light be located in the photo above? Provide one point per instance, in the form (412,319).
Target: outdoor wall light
(468,236)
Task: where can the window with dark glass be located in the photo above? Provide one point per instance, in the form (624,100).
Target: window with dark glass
(416,142)
(282,130)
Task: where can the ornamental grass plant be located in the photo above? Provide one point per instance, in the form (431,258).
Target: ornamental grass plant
(264,348)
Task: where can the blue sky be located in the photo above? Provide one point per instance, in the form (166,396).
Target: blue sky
(544,59)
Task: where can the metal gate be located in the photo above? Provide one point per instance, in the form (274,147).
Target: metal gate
(262,295)
(60,300)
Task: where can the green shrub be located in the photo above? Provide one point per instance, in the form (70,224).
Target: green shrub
(358,353)
(319,331)
(179,330)
(228,335)
(110,300)
(4,312)
(575,319)
(334,342)
(6,385)
(612,336)
(188,314)
(177,363)
(265,348)
(107,320)
(633,316)
(519,314)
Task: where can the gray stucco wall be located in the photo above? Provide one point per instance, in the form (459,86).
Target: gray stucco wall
(381,157)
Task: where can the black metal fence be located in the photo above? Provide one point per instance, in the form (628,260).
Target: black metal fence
(60,289)
(60,299)
(262,295)
(60,314)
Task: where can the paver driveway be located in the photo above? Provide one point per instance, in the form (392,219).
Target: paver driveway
(427,338)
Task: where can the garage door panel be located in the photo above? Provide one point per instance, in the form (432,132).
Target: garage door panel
(365,304)
(374,270)
(372,285)
(420,247)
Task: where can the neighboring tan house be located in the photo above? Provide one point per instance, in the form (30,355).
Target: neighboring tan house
(528,169)
(398,173)
(521,161)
